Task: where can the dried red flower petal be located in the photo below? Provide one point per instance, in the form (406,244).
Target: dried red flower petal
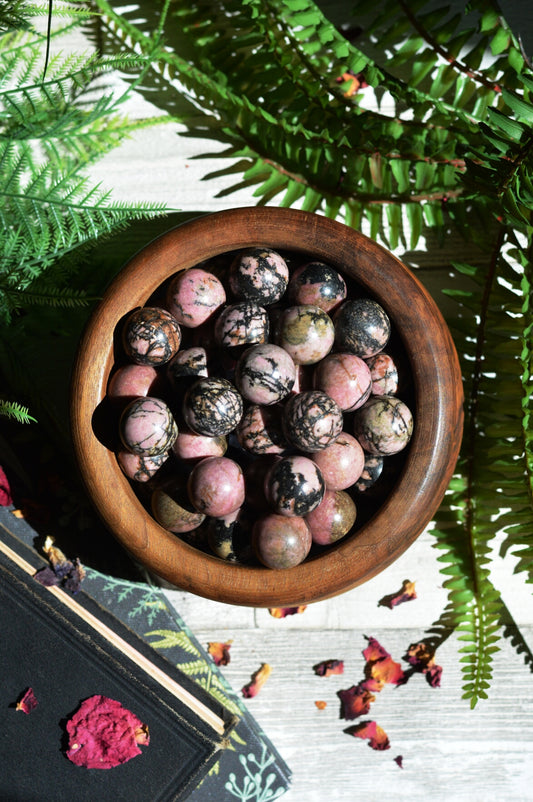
(422,658)
(62,572)
(376,736)
(380,666)
(405,594)
(328,667)
(321,704)
(257,681)
(283,612)
(27,702)
(219,652)
(103,734)
(355,701)
(5,490)
(399,760)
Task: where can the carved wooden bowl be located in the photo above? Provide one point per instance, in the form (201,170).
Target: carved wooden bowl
(423,471)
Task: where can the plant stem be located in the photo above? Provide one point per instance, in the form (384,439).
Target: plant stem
(475,75)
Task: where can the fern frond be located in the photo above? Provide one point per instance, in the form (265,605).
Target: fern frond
(12,409)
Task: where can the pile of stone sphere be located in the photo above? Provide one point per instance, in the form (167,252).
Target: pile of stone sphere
(235,391)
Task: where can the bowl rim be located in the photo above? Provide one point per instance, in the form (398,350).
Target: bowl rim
(434,446)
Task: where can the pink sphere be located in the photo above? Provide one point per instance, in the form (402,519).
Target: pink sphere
(216,486)
(281,542)
(346,378)
(192,446)
(193,295)
(147,427)
(333,518)
(132,381)
(139,467)
(341,463)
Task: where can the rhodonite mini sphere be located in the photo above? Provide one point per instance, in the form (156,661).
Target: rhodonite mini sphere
(212,406)
(216,486)
(341,463)
(151,336)
(333,518)
(244,323)
(384,425)
(384,374)
(362,327)
(172,508)
(265,374)
(312,420)
(147,426)
(132,381)
(306,332)
(281,542)
(294,486)
(318,284)
(260,275)
(260,431)
(191,446)
(188,362)
(345,378)
(194,295)
(372,470)
(140,467)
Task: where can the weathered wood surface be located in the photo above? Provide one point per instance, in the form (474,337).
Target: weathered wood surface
(449,751)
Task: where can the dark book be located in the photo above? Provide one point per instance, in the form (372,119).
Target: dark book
(250,768)
(67,649)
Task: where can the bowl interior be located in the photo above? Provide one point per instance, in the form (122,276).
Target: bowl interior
(427,364)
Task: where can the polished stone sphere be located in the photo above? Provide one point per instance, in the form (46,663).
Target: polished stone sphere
(191,446)
(265,374)
(151,336)
(294,486)
(216,486)
(194,295)
(243,323)
(384,425)
(362,327)
(345,378)
(341,463)
(312,420)
(281,542)
(384,374)
(140,467)
(212,406)
(318,284)
(260,431)
(172,508)
(333,518)
(131,381)
(187,362)
(147,427)
(306,333)
(260,275)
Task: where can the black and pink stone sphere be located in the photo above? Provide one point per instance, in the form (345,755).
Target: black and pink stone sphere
(256,402)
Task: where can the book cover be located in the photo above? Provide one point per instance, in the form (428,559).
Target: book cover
(250,769)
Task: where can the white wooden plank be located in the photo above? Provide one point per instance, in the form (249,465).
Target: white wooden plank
(449,751)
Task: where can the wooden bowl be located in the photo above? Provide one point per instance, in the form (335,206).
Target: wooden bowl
(437,406)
